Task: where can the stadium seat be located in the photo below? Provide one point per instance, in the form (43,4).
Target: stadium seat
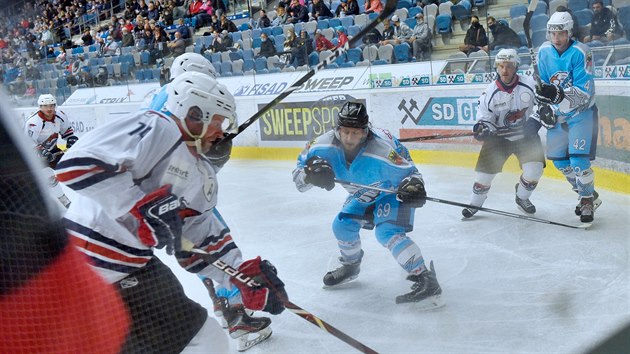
(577,5)
(353,30)
(411,22)
(516,24)
(443,24)
(259,64)
(370,53)
(248,65)
(354,55)
(333,22)
(539,22)
(539,37)
(460,12)
(236,55)
(313,58)
(347,21)
(321,24)
(445,8)
(385,52)
(518,10)
(226,67)
(541,8)
(401,52)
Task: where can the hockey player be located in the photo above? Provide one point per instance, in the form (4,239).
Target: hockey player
(355,152)
(568,109)
(143,182)
(505,106)
(45,127)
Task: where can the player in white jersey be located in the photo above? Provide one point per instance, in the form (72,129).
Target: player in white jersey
(45,127)
(568,109)
(506,106)
(143,182)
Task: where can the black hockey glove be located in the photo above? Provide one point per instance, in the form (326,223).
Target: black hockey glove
(483,130)
(532,126)
(547,117)
(219,154)
(319,173)
(549,94)
(270,295)
(70,141)
(160,214)
(411,191)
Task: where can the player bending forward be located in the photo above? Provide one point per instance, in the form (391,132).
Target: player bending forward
(568,110)
(143,182)
(505,106)
(357,153)
(45,127)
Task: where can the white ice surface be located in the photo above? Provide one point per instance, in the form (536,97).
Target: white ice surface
(510,285)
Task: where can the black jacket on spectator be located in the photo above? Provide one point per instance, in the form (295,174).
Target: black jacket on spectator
(322,10)
(372,37)
(476,35)
(267,48)
(603,21)
(298,13)
(504,36)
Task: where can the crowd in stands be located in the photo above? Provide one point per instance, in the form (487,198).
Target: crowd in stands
(93,42)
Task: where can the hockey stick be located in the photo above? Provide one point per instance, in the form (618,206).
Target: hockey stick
(389,8)
(494,211)
(251,282)
(530,45)
(500,133)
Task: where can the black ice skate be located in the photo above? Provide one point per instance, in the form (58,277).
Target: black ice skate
(587,209)
(425,290)
(344,274)
(524,204)
(243,326)
(596,203)
(469,212)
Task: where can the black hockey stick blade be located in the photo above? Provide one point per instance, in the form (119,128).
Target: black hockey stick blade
(583,226)
(239,276)
(528,37)
(390,7)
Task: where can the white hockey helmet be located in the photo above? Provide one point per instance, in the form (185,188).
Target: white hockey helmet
(192,89)
(560,21)
(46,99)
(507,55)
(192,62)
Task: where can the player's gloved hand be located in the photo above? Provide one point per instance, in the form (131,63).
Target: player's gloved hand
(483,130)
(532,125)
(411,191)
(159,218)
(269,295)
(219,153)
(46,155)
(319,173)
(548,118)
(549,94)
(70,141)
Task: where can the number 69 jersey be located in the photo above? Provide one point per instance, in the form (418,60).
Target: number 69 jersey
(111,168)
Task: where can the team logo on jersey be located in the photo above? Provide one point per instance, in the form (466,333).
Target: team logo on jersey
(179,172)
(514,119)
(560,78)
(395,158)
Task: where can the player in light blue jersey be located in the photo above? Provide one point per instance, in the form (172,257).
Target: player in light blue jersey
(355,152)
(567,97)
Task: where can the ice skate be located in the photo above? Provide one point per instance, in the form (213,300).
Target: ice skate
(426,291)
(469,212)
(248,330)
(344,274)
(587,210)
(596,203)
(524,204)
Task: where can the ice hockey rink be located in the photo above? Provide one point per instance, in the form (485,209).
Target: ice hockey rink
(510,285)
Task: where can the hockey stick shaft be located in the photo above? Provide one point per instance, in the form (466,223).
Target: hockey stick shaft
(389,8)
(251,282)
(530,45)
(488,210)
(450,136)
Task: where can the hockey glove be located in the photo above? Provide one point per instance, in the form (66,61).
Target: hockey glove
(70,141)
(549,94)
(547,117)
(411,191)
(483,130)
(319,173)
(270,295)
(219,153)
(160,222)
(532,126)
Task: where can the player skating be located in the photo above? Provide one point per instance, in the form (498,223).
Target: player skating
(45,127)
(142,182)
(505,106)
(357,153)
(568,109)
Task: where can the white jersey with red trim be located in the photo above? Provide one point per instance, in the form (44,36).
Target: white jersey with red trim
(45,132)
(508,107)
(116,165)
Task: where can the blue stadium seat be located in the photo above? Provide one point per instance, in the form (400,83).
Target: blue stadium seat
(541,8)
(144,57)
(443,24)
(414,11)
(401,52)
(216,58)
(539,22)
(539,37)
(411,22)
(584,17)
(256,42)
(260,64)
(333,22)
(277,30)
(279,42)
(577,5)
(332,66)
(236,55)
(355,55)
(518,10)
(341,59)
(226,67)
(460,12)
(248,65)
(248,54)
(403,4)
(353,30)
(139,75)
(313,59)
(256,33)
(347,21)
(217,66)
(322,24)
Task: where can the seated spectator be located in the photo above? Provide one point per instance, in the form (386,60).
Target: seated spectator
(322,43)
(342,38)
(160,44)
(127,39)
(576,27)
(308,42)
(373,6)
(347,8)
(281,16)
(177,46)
(31,72)
(502,35)
(141,8)
(219,7)
(129,14)
(321,11)
(215,24)
(194,8)
(402,31)
(420,39)
(297,12)
(205,15)
(227,24)
(604,26)
(267,46)
(263,20)
(389,32)
(372,37)
(30,90)
(153,12)
(476,38)
(111,47)
(86,38)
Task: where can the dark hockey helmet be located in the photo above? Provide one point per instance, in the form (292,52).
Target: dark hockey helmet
(353,115)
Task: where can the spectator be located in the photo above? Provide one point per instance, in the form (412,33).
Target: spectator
(576,27)
(127,39)
(476,38)
(86,38)
(373,6)
(263,20)
(129,14)
(402,31)
(297,12)
(322,43)
(320,10)
(502,35)
(389,32)
(604,26)
(420,39)
(153,13)
(141,8)
(281,16)
(267,46)
(219,7)
(160,42)
(308,42)
(372,37)
(227,24)
(111,47)
(185,31)
(31,72)
(177,46)
(342,38)
(347,8)
(205,15)
(30,90)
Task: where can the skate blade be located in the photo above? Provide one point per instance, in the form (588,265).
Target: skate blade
(244,343)
(346,281)
(524,211)
(431,303)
